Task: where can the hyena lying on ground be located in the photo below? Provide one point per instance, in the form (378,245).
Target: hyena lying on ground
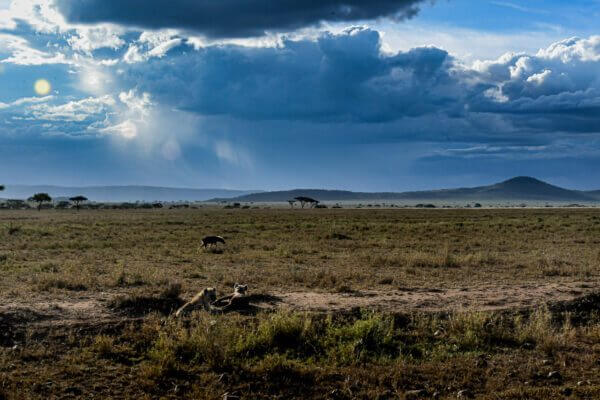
(202,299)
(235,301)
(212,240)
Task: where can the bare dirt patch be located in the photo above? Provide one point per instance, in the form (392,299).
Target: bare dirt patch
(23,317)
(100,308)
(479,298)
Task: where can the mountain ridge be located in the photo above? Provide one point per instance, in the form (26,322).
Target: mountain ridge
(517,188)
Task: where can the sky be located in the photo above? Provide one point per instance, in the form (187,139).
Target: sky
(379,95)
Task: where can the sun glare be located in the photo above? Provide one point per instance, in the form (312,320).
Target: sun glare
(42,87)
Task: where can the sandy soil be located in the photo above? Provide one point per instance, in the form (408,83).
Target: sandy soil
(431,299)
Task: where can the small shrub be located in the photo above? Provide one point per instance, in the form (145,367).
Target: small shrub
(121,279)
(172,291)
(12,229)
(103,345)
(540,330)
(344,289)
(59,283)
(386,281)
(367,339)
(339,236)
(476,331)
(280,333)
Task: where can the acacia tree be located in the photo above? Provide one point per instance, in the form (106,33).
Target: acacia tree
(40,198)
(303,200)
(78,200)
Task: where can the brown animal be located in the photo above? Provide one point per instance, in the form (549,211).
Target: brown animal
(212,240)
(202,299)
(235,301)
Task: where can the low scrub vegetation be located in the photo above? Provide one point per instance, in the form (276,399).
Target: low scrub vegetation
(361,354)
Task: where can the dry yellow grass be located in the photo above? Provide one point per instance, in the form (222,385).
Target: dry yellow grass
(86,296)
(57,251)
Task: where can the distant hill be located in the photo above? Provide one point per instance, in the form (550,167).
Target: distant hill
(594,193)
(121,193)
(516,189)
(519,188)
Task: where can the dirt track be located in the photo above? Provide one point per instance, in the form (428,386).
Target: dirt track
(93,310)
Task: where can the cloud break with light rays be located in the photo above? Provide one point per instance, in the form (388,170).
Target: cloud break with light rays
(383,95)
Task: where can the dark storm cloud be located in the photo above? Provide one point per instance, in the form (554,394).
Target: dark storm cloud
(345,80)
(335,78)
(232,18)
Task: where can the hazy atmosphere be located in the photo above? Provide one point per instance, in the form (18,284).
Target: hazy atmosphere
(372,96)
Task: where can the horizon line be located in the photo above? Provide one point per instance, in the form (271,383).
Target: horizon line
(7,185)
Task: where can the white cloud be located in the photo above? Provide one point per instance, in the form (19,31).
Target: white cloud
(21,53)
(40,14)
(126,129)
(152,44)
(539,78)
(25,100)
(73,111)
(42,17)
(156,38)
(566,68)
(523,66)
(88,39)
(556,149)
(139,105)
(573,49)
(269,40)
(133,118)
(6,21)
(109,62)
(162,49)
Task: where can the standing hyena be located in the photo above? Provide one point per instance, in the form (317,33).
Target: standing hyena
(212,240)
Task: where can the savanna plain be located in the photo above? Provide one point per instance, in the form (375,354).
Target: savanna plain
(344,304)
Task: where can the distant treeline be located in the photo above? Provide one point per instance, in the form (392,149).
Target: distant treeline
(63,205)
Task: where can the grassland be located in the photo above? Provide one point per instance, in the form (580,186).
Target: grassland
(350,304)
